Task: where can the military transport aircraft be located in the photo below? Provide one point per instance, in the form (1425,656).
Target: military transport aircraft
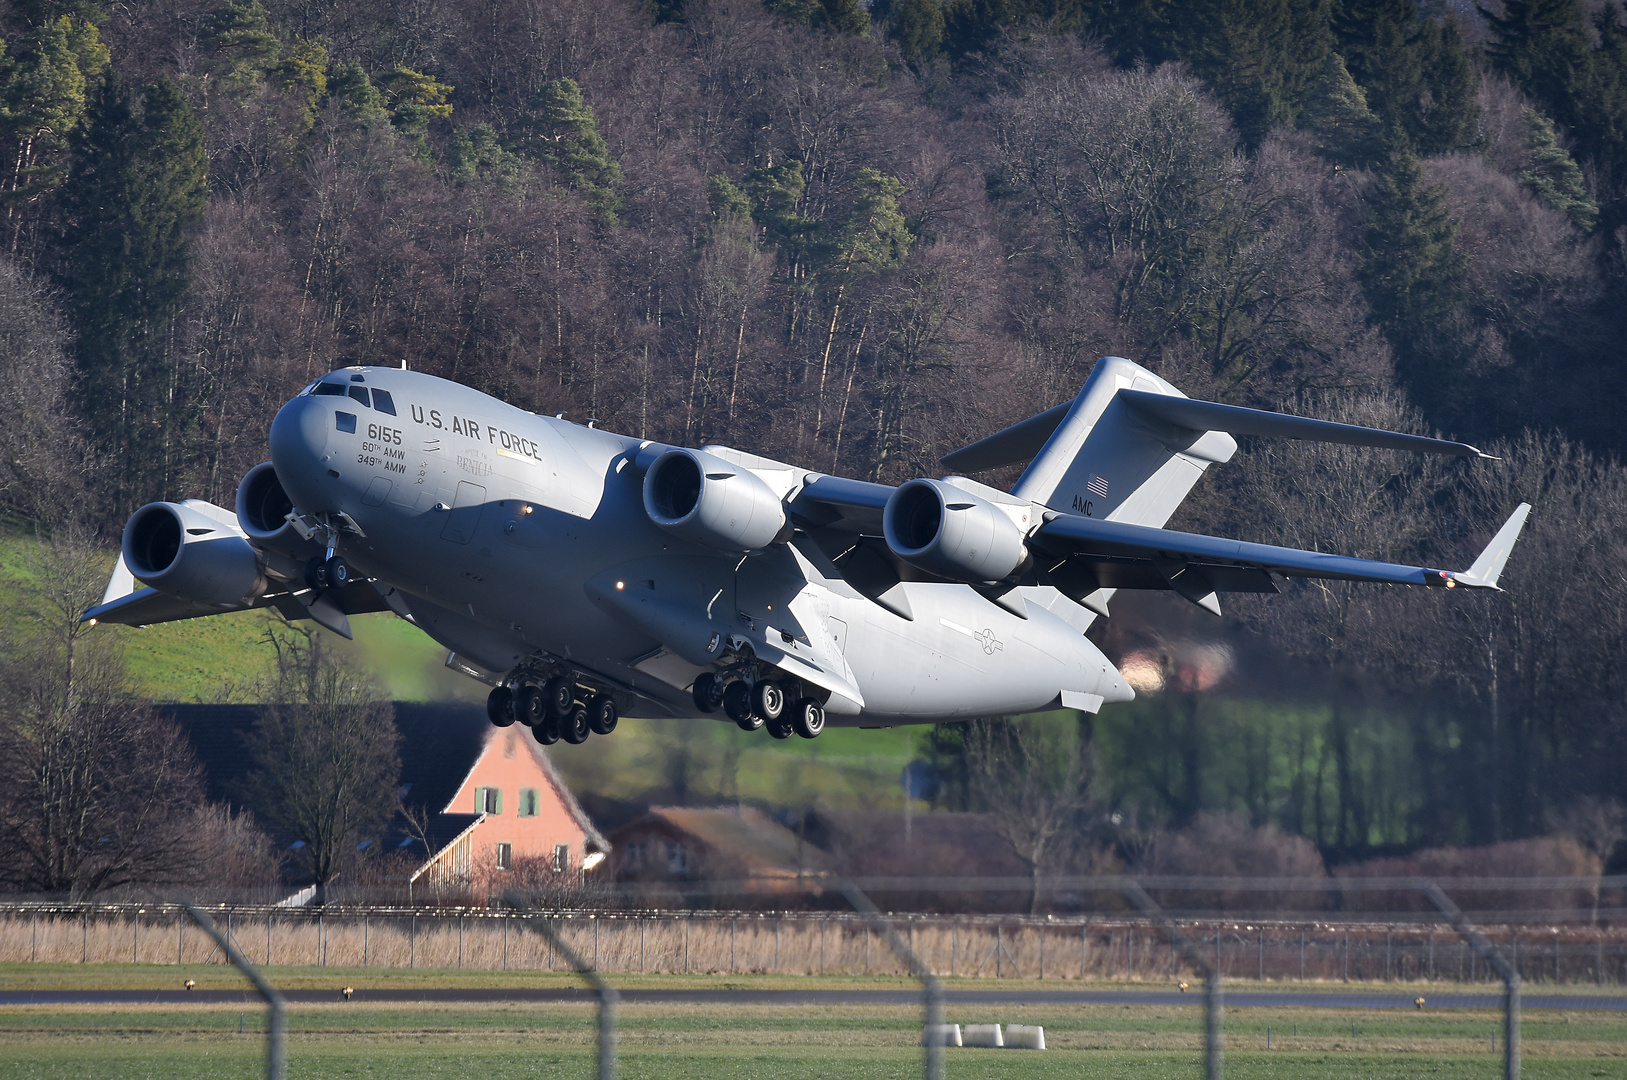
(584,574)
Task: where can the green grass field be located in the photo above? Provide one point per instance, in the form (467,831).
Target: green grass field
(747,1042)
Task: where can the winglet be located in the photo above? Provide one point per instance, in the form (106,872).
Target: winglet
(1489,567)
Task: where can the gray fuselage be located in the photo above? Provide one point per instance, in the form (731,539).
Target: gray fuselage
(512,538)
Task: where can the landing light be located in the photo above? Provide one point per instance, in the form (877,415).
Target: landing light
(93,622)
(621,584)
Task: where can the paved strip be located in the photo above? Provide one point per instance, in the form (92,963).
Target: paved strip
(1234,998)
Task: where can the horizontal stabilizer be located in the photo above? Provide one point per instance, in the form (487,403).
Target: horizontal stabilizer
(1236,420)
(1019,442)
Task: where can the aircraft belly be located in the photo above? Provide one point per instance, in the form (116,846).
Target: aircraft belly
(961,657)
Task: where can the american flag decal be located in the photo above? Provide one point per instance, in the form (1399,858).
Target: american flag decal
(1097,486)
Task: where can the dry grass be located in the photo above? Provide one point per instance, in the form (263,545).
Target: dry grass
(790,945)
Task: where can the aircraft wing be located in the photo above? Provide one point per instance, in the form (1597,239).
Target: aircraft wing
(129,603)
(837,502)
(1112,554)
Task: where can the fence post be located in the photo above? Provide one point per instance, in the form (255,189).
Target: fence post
(1262,954)
(135,941)
(1494,959)
(1041,952)
(84,939)
(608,998)
(276,1065)
(686,943)
(1302,955)
(364,938)
(931,989)
(412,943)
(1213,1002)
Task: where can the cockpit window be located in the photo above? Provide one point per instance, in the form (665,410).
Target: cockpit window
(360,394)
(382,401)
(345,421)
(329,389)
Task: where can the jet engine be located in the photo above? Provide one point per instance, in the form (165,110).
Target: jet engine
(192,550)
(262,513)
(951,532)
(703,498)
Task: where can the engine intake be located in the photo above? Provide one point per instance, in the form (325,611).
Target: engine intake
(262,513)
(703,498)
(186,550)
(951,532)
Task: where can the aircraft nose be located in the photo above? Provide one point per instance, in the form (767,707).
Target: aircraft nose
(299,445)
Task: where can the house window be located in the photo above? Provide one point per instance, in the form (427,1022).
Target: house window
(562,857)
(677,859)
(528,802)
(488,800)
(635,856)
(505,856)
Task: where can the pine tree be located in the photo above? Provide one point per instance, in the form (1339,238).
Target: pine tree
(1542,45)
(560,130)
(1448,118)
(917,26)
(1411,271)
(1552,174)
(139,189)
(1336,114)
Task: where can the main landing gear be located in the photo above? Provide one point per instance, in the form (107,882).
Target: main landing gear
(554,710)
(761,703)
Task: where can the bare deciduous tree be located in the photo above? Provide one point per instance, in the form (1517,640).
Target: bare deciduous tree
(1033,776)
(326,762)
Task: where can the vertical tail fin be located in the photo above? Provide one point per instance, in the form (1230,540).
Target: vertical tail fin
(1105,460)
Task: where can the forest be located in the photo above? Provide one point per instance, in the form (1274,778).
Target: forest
(858,238)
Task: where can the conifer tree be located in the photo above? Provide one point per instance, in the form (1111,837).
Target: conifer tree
(1542,45)
(1337,116)
(917,26)
(1552,174)
(561,131)
(139,188)
(1411,271)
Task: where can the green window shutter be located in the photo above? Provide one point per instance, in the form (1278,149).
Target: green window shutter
(497,800)
(480,800)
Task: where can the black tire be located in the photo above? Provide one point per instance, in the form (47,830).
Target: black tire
(602,715)
(500,706)
(316,573)
(339,574)
(574,727)
(533,706)
(560,694)
(750,723)
(708,692)
(780,729)
(808,718)
(737,703)
(546,731)
(768,700)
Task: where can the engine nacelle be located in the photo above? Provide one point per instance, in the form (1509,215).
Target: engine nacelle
(951,532)
(703,498)
(262,514)
(193,550)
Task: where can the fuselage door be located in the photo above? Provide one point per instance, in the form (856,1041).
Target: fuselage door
(464,517)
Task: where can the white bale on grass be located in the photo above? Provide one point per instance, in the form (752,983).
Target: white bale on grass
(1025,1037)
(982,1035)
(941,1035)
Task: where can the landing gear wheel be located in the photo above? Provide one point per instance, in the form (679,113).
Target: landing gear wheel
(708,692)
(546,731)
(338,572)
(808,718)
(533,706)
(560,694)
(574,727)
(602,715)
(316,573)
(737,703)
(500,706)
(768,700)
(780,729)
